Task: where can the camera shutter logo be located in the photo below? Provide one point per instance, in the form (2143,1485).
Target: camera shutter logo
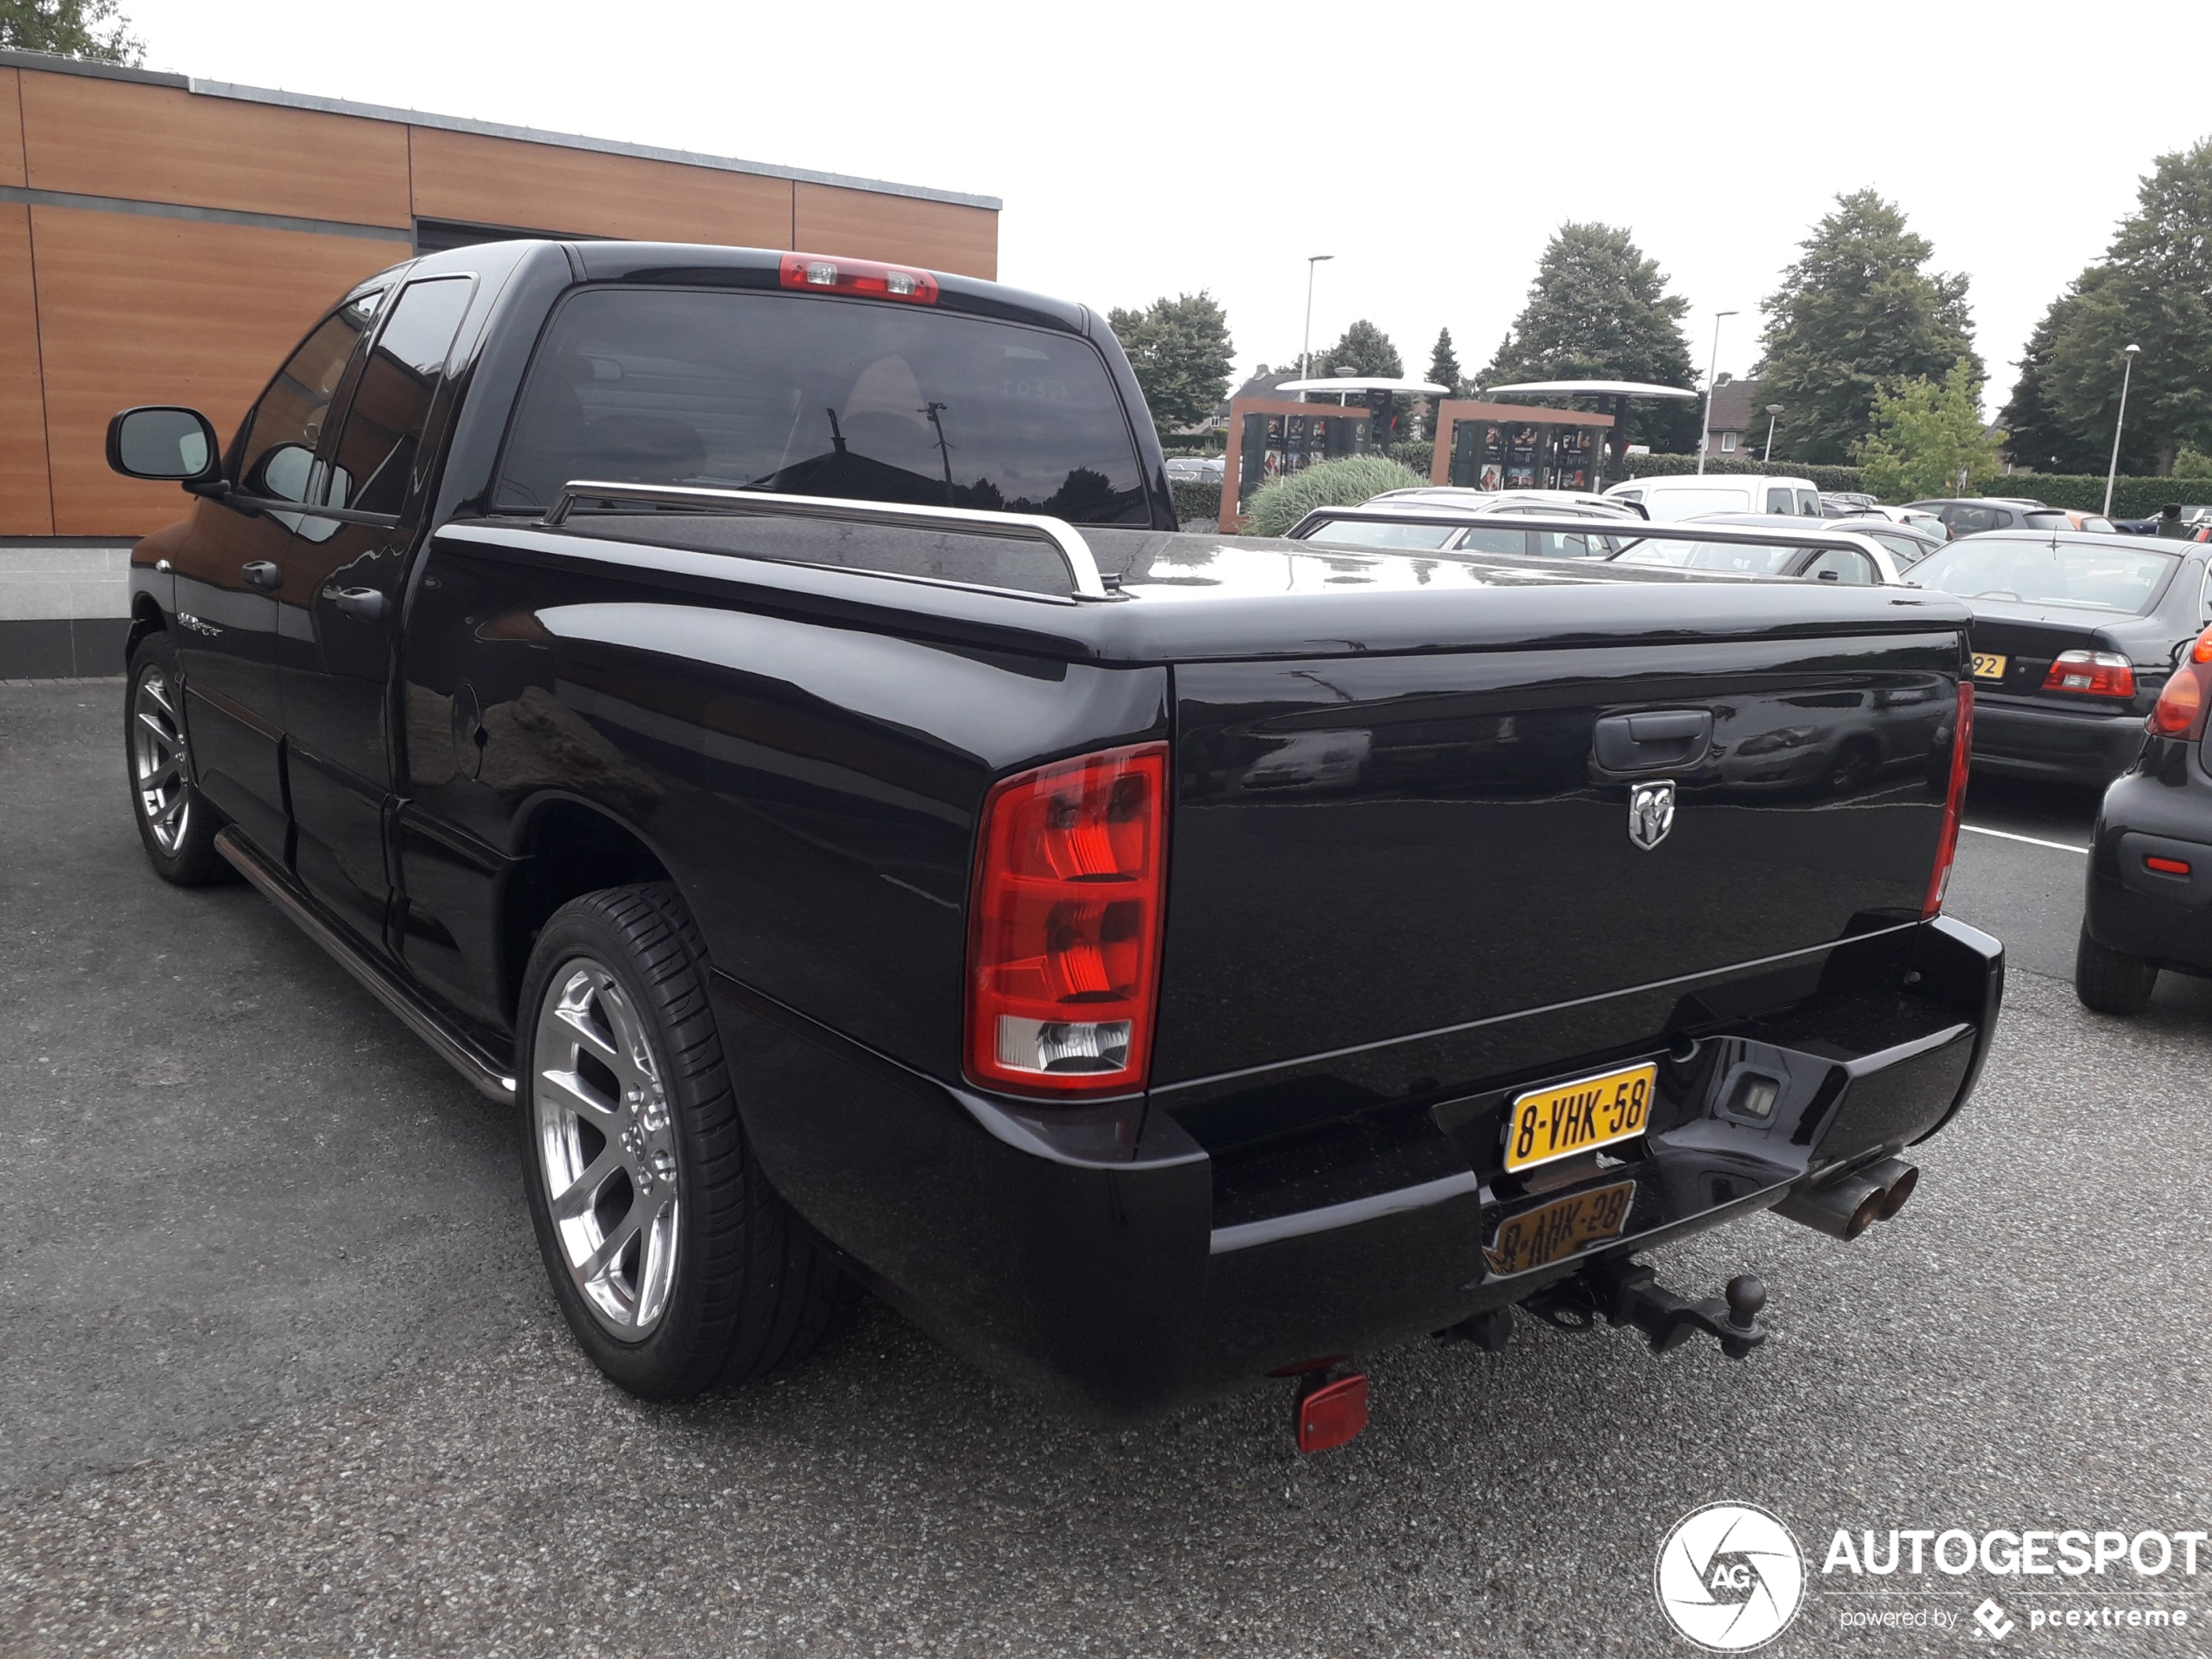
(1730,1577)
(1651,813)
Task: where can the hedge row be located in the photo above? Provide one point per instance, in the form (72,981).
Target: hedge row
(2085,491)
(1194,500)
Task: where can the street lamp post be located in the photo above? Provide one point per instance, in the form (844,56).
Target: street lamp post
(1767,454)
(1705,431)
(2111,476)
(1306,342)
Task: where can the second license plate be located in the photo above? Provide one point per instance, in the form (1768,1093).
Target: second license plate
(1580,1116)
(1988,665)
(1537,1237)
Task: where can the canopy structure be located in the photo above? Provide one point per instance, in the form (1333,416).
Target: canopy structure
(1364,383)
(1590,389)
(1615,394)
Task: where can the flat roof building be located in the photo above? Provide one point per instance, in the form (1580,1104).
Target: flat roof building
(169,240)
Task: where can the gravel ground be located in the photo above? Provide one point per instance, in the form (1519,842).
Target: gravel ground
(398,1451)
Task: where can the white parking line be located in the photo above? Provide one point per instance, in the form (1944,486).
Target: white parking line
(2007,835)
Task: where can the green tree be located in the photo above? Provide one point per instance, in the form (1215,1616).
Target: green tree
(1180,351)
(1600,310)
(2041,438)
(1925,433)
(1365,349)
(89,29)
(2152,289)
(1855,313)
(1444,368)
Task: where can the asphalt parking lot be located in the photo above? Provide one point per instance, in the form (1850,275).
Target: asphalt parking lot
(278,1373)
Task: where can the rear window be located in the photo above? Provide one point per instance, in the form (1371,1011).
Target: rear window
(815,396)
(2048,572)
(1690,503)
(1352,532)
(2046,520)
(1746,558)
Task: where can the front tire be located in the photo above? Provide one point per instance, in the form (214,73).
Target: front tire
(2112,982)
(675,1265)
(176,825)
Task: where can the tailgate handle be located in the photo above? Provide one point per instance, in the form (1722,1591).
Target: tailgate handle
(1635,742)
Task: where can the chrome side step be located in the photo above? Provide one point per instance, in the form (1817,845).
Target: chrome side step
(489,1075)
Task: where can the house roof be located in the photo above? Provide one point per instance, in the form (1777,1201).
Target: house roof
(1734,405)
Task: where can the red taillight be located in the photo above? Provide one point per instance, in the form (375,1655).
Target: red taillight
(2095,673)
(2166,866)
(823,274)
(1063,955)
(2179,710)
(1962,744)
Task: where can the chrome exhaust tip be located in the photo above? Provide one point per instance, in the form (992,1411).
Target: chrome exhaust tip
(1842,1209)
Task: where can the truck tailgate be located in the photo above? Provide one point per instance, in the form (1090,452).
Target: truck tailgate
(1368,848)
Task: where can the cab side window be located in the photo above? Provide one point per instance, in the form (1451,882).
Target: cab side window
(1843,565)
(1781,501)
(1809,503)
(277,458)
(377,447)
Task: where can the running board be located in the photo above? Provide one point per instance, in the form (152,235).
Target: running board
(464,1054)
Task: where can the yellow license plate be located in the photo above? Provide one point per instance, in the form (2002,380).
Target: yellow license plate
(1580,1116)
(1537,1237)
(1988,665)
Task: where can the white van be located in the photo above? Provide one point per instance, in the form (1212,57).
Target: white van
(1687,496)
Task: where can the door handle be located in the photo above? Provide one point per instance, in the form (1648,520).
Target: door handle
(1666,738)
(261,576)
(362,605)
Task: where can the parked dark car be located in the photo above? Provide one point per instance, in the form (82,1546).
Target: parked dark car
(2149,904)
(2074,637)
(753,714)
(1971,515)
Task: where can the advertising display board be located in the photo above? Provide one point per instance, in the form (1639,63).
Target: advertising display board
(1516,446)
(1271,437)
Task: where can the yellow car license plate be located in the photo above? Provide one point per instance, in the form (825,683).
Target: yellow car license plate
(1537,1237)
(1988,665)
(1580,1116)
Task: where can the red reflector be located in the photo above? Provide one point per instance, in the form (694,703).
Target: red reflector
(1333,1413)
(824,274)
(2095,673)
(2167,867)
(1962,743)
(1064,933)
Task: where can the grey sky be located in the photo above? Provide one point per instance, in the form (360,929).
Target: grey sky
(1144,148)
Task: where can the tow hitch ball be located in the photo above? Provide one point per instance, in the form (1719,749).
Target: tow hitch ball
(1629,1292)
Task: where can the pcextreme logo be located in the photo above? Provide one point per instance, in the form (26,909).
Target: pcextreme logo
(1730,1577)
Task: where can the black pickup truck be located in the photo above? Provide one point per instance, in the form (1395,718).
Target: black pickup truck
(754,713)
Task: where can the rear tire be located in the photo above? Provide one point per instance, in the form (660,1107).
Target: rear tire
(2112,982)
(675,1265)
(176,823)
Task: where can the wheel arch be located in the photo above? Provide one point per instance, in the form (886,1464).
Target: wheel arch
(146,618)
(564,847)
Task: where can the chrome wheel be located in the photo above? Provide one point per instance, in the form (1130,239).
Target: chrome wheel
(605,1147)
(158,755)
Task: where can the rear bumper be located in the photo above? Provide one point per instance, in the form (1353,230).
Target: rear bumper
(2061,745)
(2166,812)
(1106,1256)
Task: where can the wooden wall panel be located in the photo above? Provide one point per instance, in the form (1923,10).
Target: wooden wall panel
(99,137)
(541,187)
(25,506)
(11,126)
(134,309)
(940,236)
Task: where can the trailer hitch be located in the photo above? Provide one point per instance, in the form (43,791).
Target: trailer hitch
(1627,1292)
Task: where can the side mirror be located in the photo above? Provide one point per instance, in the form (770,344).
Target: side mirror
(164,443)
